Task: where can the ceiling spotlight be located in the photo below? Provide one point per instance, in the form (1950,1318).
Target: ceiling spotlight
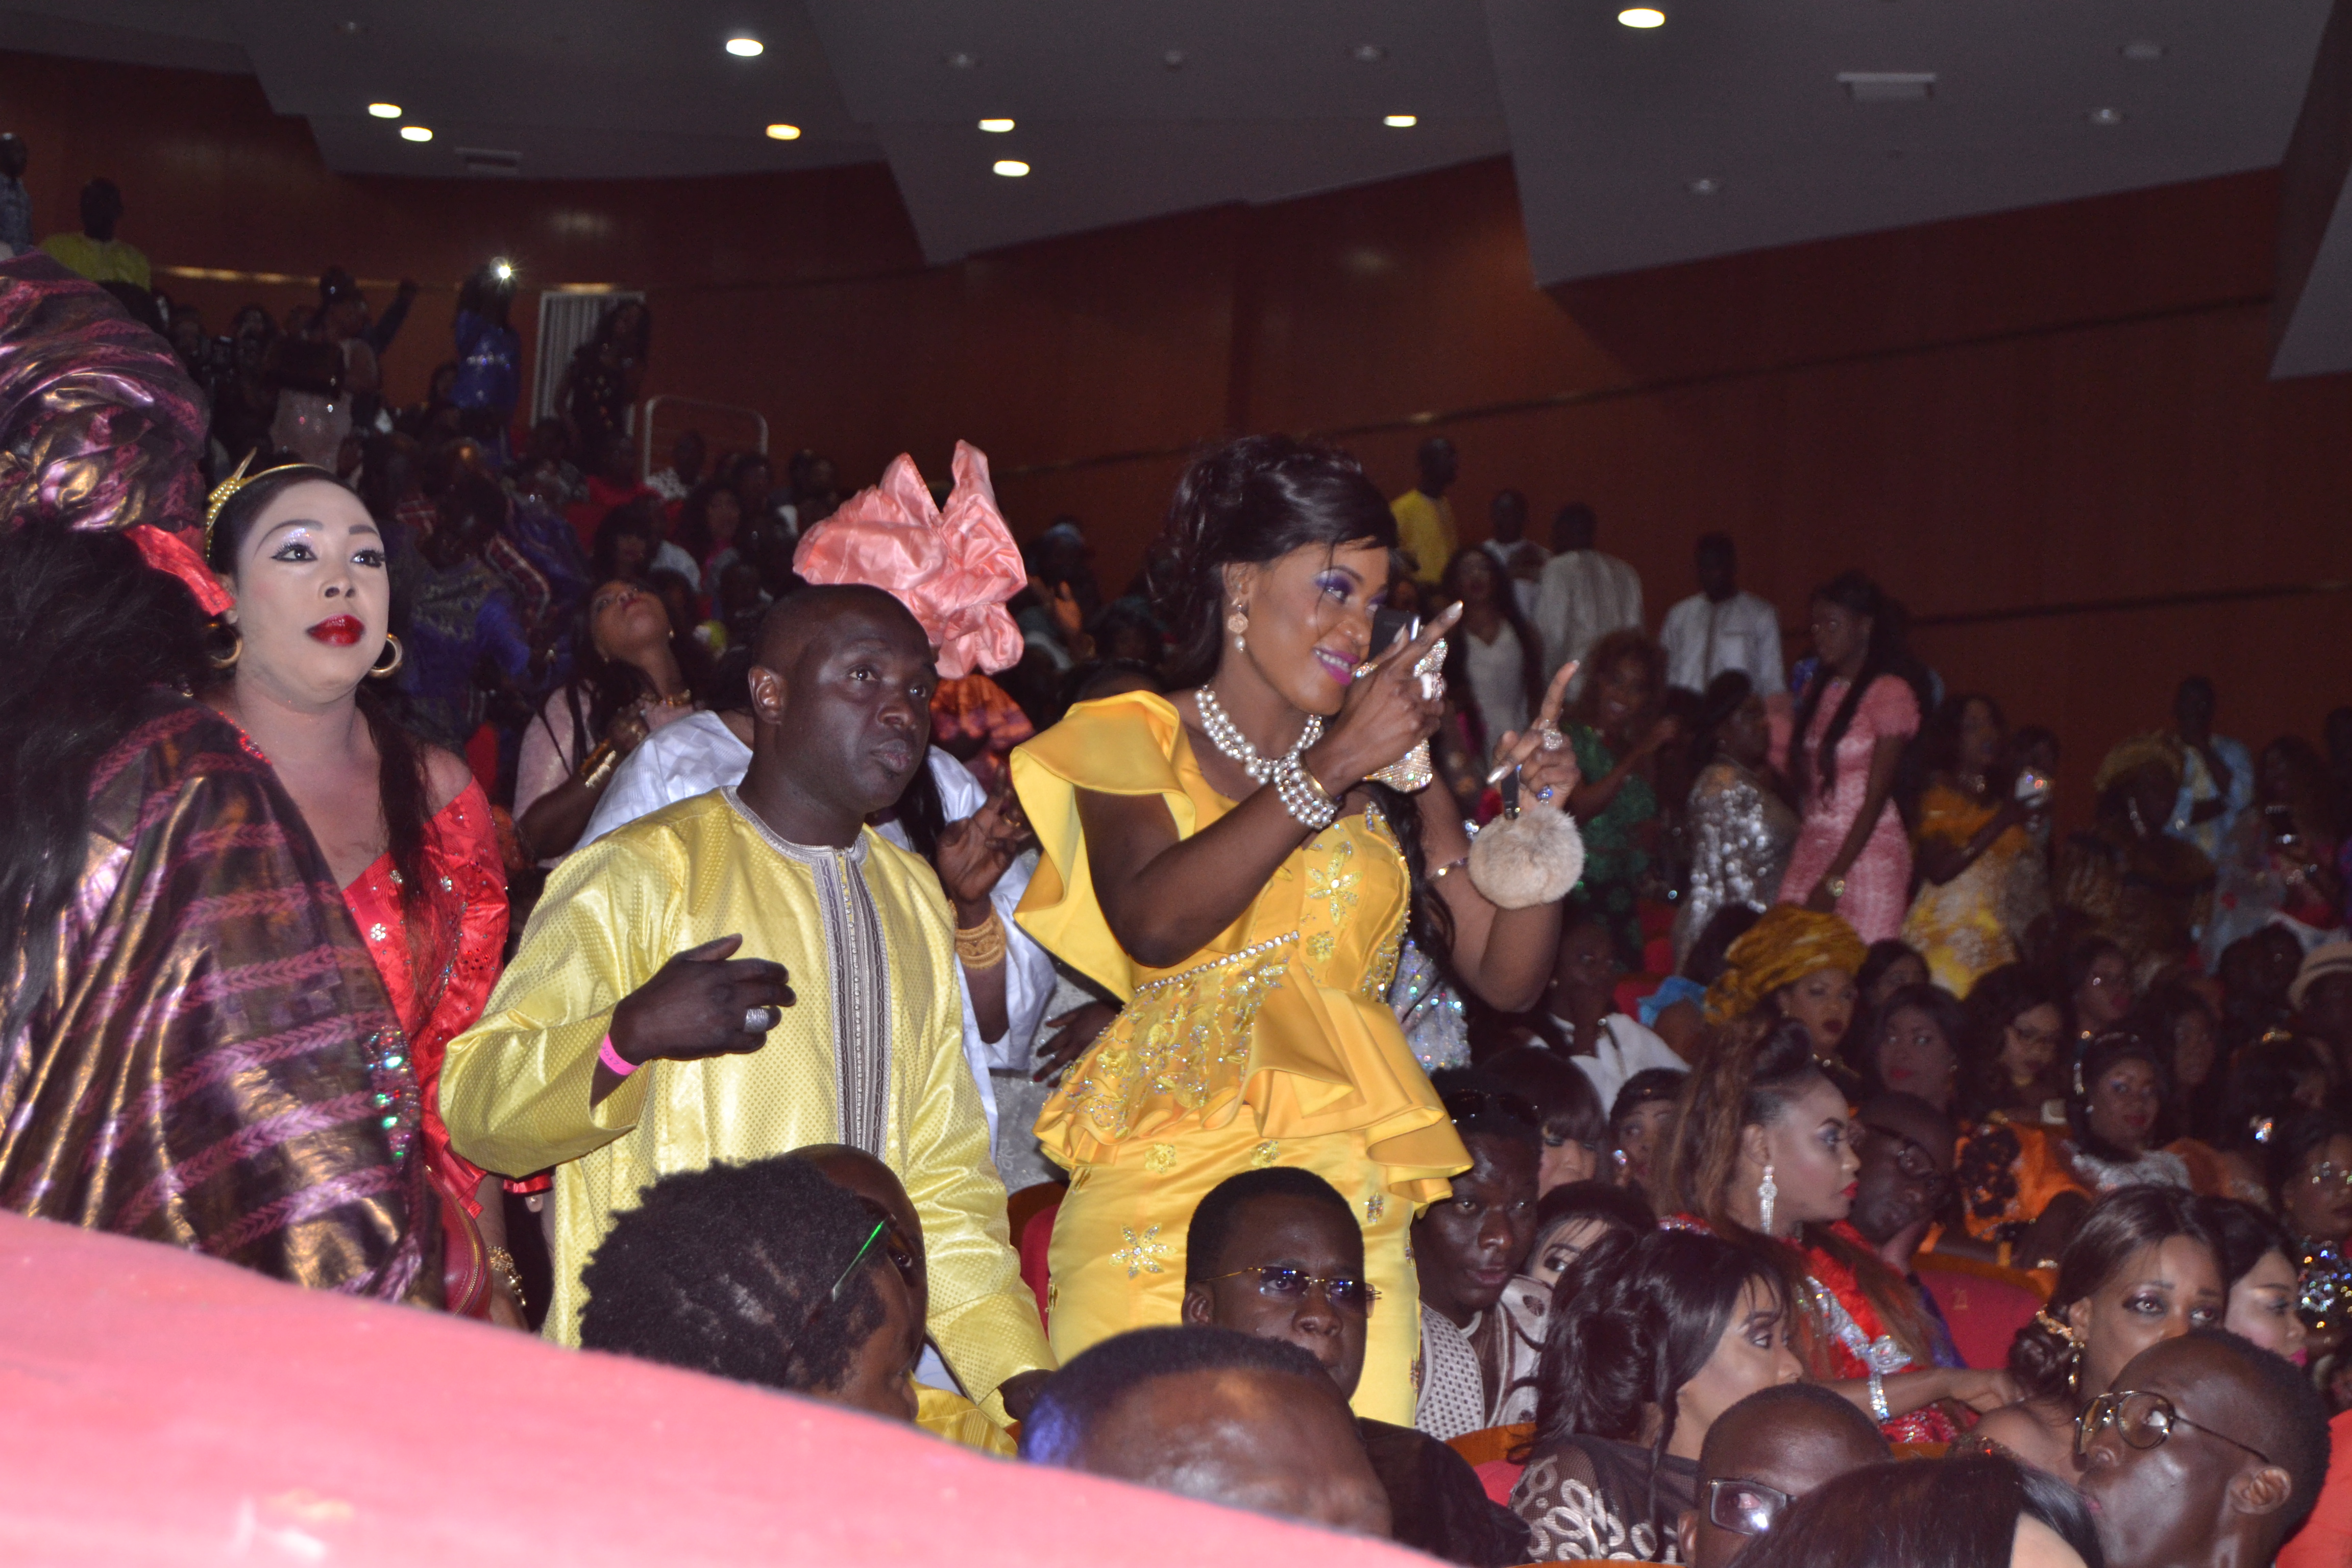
(1174,59)
(1369,54)
(962,60)
(415,133)
(2107,115)
(1011,168)
(502,270)
(998,126)
(1705,186)
(1400,122)
(745,47)
(781,132)
(350,28)
(384,110)
(2143,49)
(1642,17)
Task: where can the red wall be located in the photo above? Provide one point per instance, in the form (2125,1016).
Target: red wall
(2044,407)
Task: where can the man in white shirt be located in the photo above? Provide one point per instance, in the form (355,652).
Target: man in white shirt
(1521,558)
(1719,627)
(1585,595)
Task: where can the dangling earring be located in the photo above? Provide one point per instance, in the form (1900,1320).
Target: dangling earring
(1237,623)
(236,650)
(378,670)
(1765,1192)
(2139,829)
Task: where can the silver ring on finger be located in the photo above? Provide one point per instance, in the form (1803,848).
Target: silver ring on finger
(1552,739)
(760,1020)
(1433,687)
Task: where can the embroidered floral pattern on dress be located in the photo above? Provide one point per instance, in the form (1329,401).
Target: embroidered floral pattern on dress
(1160,1159)
(1195,1035)
(1265,1154)
(1141,1255)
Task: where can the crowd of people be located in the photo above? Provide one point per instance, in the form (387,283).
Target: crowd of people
(1351,1026)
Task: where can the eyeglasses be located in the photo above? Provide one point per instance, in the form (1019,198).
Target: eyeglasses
(2329,1172)
(1911,1156)
(894,1247)
(1745,1507)
(1345,1294)
(2144,1420)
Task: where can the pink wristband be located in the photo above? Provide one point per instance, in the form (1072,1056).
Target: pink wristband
(622,1067)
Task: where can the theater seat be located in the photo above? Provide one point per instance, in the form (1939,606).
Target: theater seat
(1984,1303)
(1489,1452)
(1033,1238)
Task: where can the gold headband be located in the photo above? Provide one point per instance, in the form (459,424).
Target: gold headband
(226,489)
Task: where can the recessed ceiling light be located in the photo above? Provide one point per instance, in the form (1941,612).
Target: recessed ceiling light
(384,110)
(2143,49)
(783,133)
(415,133)
(1011,168)
(1400,122)
(1642,17)
(2106,114)
(350,28)
(998,126)
(1369,54)
(1174,59)
(1705,186)
(1888,87)
(962,60)
(745,49)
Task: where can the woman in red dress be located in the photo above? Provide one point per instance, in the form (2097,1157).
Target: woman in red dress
(1762,1156)
(406,830)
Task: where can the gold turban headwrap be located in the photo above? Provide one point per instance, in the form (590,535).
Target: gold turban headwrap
(2139,752)
(1787,943)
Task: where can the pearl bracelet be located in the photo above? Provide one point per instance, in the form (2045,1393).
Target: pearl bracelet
(1306,800)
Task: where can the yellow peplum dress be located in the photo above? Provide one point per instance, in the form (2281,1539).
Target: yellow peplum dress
(1272,1046)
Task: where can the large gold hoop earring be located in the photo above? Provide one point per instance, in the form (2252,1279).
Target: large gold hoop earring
(379,670)
(236,651)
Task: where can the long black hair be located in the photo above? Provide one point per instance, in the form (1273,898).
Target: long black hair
(1249,502)
(1852,592)
(402,781)
(600,687)
(86,631)
(1632,1320)
(1457,656)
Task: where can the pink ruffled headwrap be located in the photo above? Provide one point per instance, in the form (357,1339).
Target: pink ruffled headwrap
(954,569)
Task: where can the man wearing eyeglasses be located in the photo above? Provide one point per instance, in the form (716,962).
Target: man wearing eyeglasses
(1277,1254)
(2208,1450)
(1906,1147)
(1761,1455)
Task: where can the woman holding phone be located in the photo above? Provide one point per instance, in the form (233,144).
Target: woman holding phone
(1225,863)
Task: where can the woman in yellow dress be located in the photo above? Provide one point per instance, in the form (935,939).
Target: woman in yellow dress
(1981,880)
(1222,861)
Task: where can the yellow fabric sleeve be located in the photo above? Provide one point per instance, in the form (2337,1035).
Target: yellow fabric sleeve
(515,1086)
(946,1414)
(1118,745)
(982,1317)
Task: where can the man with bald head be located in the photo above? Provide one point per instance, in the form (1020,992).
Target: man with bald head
(2209,1450)
(753,971)
(1215,1415)
(1761,1455)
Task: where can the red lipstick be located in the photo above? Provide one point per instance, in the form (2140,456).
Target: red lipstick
(340,631)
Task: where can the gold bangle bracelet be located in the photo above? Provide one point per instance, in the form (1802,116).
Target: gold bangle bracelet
(982,946)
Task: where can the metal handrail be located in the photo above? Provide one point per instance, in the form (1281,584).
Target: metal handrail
(646,425)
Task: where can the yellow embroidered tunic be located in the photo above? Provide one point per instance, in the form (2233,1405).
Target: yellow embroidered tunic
(870,1053)
(1273,1044)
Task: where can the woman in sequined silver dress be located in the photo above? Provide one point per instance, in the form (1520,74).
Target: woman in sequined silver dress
(1741,830)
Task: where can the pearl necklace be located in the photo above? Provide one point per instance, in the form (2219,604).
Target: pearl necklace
(1227,737)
